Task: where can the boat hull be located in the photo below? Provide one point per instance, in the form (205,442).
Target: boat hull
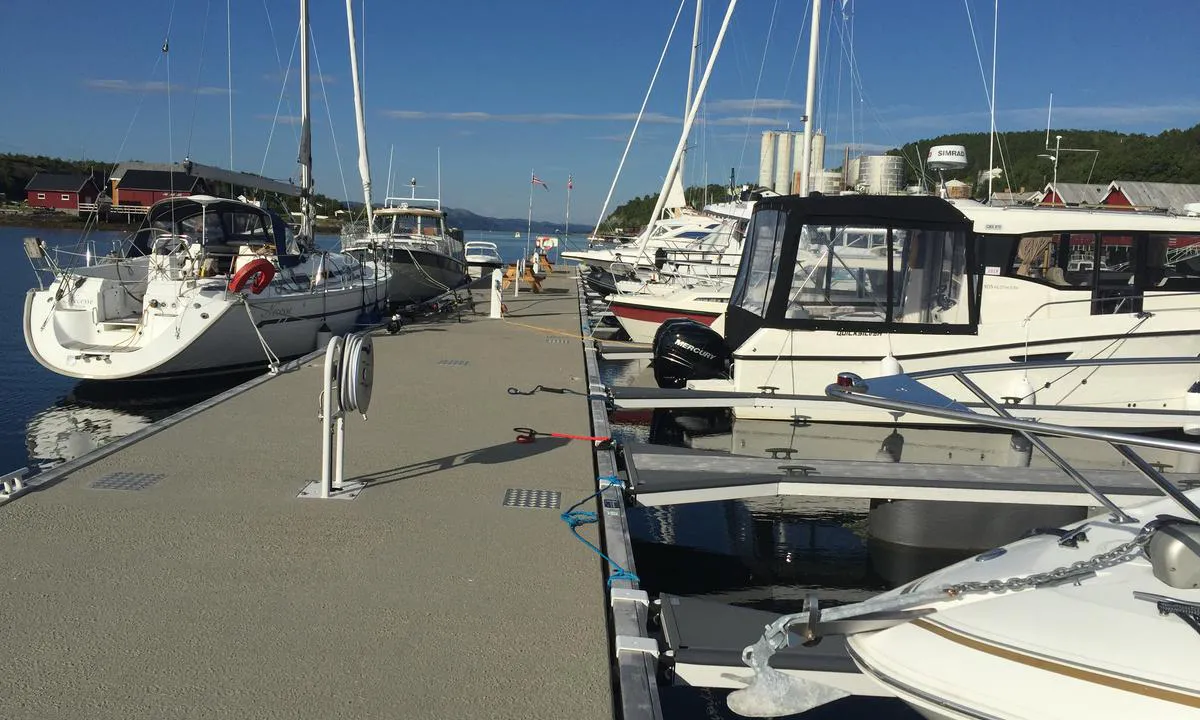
(198,328)
(421,275)
(641,318)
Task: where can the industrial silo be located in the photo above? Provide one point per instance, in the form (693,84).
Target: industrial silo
(783,164)
(881,174)
(766,159)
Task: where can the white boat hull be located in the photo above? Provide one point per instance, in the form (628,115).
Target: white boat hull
(182,328)
(1022,654)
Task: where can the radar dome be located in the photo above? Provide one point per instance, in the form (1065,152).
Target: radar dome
(947,157)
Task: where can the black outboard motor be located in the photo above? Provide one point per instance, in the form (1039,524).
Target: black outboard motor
(688,350)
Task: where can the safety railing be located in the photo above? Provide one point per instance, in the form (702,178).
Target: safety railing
(904,393)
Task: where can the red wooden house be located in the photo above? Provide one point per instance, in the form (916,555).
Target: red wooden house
(146,187)
(61,192)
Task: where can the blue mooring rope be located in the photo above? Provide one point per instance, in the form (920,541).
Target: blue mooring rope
(574,518)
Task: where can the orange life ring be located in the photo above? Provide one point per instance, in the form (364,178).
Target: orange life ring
(263,272)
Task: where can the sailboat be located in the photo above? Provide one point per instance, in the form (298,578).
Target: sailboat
(205,285)
(425,258)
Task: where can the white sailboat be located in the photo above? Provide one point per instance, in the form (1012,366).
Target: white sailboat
(206,285)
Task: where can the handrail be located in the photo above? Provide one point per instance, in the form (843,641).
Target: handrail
(857,391)
(1042,364)
(1091,299)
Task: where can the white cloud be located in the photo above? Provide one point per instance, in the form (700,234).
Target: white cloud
(549,117)
(1094,116)
(752,105)
(149,86)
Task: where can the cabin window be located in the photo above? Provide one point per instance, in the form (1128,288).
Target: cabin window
(41,196)
(898,276)
(841,274)
(247,228)
(65,196)
(928,285)
(1173,262)
(760,262)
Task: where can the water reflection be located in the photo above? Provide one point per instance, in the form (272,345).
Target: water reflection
(768,553)
(94,414)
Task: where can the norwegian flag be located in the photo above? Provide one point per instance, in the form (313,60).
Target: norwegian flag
(570,182)
(537,181)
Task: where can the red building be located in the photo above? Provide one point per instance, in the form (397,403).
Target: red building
(61,192)
(146,187)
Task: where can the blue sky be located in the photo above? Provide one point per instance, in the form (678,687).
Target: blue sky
(503,88)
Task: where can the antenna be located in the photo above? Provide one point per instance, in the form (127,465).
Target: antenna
(992,135)
(439,153)
(1049,110)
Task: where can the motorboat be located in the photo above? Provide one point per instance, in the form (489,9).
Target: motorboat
(875,284)
(1103,612)
(425,258)
(641,314)
(205,285)
(482,258)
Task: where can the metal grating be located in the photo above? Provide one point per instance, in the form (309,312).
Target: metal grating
(132,481)
(537,499)
(557,339)
(454,363)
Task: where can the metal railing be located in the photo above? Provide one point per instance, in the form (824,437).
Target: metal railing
(922,400)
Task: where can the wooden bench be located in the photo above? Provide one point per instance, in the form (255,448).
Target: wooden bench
(510,274)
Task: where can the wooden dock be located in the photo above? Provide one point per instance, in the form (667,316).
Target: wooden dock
(181,576)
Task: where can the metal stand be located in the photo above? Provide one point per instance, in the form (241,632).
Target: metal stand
(346,387)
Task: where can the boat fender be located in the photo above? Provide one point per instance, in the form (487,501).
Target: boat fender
(263,272)
(889,365)
(1191,402)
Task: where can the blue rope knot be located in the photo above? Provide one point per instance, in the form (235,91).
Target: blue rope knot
(574,518)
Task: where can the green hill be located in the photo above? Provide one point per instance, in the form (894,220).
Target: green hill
(1170,156)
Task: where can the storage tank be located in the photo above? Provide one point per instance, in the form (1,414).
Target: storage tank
(783,164)
(766,159)
(881,174)
(817,161)
(827,182)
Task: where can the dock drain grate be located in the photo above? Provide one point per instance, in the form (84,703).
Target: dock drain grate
(454,363)
(538,499)
(133,481)
(558,340)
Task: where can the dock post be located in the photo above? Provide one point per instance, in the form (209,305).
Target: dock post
(495,298)
(517,279)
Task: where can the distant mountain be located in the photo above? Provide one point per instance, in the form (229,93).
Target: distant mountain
(467,220)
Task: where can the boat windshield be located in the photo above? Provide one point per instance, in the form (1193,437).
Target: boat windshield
(856,276)
(414,224)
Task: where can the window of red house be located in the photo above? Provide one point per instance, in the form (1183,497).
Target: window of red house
(41,196)
(66,196)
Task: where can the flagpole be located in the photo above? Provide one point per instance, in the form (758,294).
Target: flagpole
(567,222)
(529,227)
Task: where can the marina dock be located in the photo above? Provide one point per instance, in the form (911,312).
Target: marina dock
(181,576)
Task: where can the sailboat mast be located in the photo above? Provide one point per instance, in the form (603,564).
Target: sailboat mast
(810,97)
(306,180)
(691,80)
(687,129)
(364,164)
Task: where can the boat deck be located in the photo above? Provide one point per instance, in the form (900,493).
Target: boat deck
(182,577)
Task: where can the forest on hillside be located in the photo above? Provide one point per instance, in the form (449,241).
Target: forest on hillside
(635,213)
(1170,156)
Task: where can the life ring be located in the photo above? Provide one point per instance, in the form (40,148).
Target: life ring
(263,272)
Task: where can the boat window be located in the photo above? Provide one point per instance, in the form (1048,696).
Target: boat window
(929,286)
(841,274)
(760,261)
(1173,262)
(247,228)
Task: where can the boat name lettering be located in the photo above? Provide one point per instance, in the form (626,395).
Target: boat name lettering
(692,348)
(858,333)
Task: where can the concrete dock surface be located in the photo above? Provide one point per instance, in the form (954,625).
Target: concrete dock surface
(214,591)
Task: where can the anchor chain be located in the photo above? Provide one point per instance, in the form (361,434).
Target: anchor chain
(1095,563)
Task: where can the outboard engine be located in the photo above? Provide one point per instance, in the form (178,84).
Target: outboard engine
(688,350)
